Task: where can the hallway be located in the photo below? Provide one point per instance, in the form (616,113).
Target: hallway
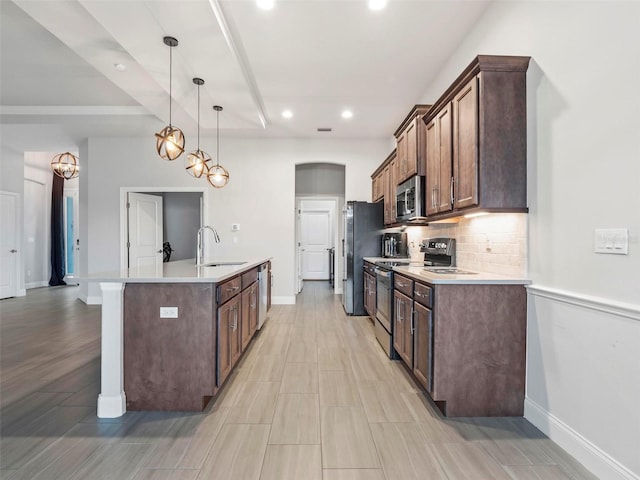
(313,398)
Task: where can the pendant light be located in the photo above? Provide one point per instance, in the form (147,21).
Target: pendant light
(198,162)
(170,140)
(218,176)
(65,165)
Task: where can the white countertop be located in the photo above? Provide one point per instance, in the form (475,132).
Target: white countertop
(419,273)
(181,271)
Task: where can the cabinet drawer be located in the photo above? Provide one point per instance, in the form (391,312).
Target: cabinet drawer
(249,277)
(423,294)
(228,289)
(370,268)
(403,284)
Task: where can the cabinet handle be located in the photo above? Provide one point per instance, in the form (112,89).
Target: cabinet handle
(232,289)
(412,321)
(451,193)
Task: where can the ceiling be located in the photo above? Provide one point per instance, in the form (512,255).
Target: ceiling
(313,57)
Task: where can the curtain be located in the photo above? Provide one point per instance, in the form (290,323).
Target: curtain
(57,232)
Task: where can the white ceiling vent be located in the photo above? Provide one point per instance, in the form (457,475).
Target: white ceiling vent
(324,129)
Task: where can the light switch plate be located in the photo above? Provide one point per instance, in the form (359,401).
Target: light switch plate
(611,240)
(168,312)
(235,227)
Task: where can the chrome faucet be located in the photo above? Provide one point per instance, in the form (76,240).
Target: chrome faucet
(200,245)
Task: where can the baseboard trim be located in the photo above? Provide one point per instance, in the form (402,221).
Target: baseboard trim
(283,300)
(90,300)
(31,285)
(21,292)
(591,456)
(621,309)
(112,406)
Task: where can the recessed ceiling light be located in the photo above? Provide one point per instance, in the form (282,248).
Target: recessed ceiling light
(377,4)
(265,4)
(287,114)
(347,114)
(120,67)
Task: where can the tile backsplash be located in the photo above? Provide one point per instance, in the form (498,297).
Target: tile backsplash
(494,243)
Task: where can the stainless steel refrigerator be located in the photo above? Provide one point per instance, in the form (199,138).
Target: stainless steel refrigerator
(363,223)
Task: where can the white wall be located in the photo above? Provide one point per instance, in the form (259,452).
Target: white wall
(583,377)
(260,195)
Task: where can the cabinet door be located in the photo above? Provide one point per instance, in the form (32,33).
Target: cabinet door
(433,167)
(403,332)
(225,324)
(465,145)
(412,156)
(423,346)
(245,325)
(401,157)
(443,191)
(253,308)
(235,337)
(386,181)
(393,183)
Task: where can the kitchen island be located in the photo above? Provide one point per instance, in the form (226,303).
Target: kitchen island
(172,334)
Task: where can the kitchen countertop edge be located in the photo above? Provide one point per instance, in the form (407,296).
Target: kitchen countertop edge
(478,278)
(180,271)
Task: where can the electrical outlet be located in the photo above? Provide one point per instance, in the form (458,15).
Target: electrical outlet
(168,312)
(611,240)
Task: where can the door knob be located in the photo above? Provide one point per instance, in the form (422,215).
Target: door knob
(159,251)
(13,250)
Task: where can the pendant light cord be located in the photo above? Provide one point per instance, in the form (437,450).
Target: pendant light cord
(170,79)
(198,117)
(217,138)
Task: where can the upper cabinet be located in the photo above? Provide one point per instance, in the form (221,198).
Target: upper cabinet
(384,187)
(411,144)
(476,141)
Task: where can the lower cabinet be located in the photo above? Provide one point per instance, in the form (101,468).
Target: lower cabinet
(403,327)
(249,314)
(229,339)
(464,343)
(423,346)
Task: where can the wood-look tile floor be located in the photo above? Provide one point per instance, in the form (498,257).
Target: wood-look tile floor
(313,397)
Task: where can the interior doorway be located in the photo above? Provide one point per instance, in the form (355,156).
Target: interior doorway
(160,224)
(319,200)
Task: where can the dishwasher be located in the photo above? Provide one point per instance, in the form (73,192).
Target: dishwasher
(263,279)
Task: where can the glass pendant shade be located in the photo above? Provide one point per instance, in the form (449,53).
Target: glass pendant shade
(65,165)
(218,176)
(198,162)
(170,140)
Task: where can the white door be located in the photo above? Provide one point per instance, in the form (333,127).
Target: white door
(8,245)
(145,230)
(315,241)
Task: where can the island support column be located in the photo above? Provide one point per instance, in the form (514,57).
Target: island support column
(112,401)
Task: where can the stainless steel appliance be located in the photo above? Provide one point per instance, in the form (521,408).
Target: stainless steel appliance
(383,324)
(409,199)
(362,224)
(263,271)
(394,245)
(439,252)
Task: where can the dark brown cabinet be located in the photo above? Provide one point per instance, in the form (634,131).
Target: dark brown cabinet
(476,141)
(229,340)
(403,327)
(464,344)
(438,163)
(377,186)
(249,309)
(411,144)
(423,345)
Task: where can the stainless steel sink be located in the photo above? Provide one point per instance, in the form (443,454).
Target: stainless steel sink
(222,264)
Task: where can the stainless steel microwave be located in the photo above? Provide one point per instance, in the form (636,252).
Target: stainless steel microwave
(409,199)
